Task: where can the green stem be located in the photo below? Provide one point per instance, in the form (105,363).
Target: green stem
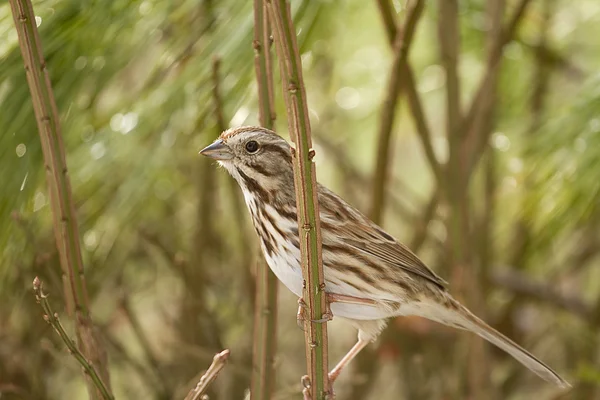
(52,318)
(59,187)
(265,314)
(306,196)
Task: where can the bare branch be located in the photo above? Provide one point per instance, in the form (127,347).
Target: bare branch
(401,48)
(522,285)
(449,39)
(420,121)
(209,376)
(476,118)
(389,19)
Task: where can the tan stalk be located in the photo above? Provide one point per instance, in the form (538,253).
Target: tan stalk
(280,18)
(59,187)
(265,315)
(219,361)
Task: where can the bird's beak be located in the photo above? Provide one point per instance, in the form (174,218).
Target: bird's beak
(218,151)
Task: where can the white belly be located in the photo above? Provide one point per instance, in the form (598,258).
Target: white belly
(286,268)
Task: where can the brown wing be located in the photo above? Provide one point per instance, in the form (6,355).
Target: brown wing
(357,231)
(388,250)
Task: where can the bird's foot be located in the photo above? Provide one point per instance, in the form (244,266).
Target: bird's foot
(300,315)
(306,386)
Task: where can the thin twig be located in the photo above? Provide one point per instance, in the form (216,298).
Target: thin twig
(420,230)
(119,352)
(401,48)
(358,180)
(52,318)
(144,343)
(475,141)
(449,40)
(522,285)
(66,231)
(420,121)
(389,19)
(265,308)
(209,376)
(290,65)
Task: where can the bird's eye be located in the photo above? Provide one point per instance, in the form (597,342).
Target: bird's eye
(252,146)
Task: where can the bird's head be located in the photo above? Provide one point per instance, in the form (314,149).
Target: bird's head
(254,156)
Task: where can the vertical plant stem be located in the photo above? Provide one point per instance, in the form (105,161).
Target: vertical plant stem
(401,48)
(306,196)
(265,315)
(59,187)
(456,187)
(475,120)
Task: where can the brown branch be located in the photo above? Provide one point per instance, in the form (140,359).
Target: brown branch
(209,376)
(118,350)
(476,118)
(553,58)
(449,38)
(59,187)
(389,19)
(420,121)
(305,181)
(401,49)
(265,308)
(409,84)
(420,230)
(522,285)
(358,180)
(52,318)
(144,343)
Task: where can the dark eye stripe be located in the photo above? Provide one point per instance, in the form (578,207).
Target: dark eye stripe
(277,149)
(262,170)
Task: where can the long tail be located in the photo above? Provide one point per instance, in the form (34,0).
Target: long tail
(456,315)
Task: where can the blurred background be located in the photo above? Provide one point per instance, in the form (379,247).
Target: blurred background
(170,255)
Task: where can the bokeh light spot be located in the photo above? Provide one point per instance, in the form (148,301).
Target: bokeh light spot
(500,141)
(347,98)
(21,150)
(98,150)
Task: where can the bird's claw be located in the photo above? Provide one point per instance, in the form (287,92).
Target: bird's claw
(328,316)
(306,385)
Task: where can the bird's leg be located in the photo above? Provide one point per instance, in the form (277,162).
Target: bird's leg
(328,316)
(342,298)
(331,298)
(335,372)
